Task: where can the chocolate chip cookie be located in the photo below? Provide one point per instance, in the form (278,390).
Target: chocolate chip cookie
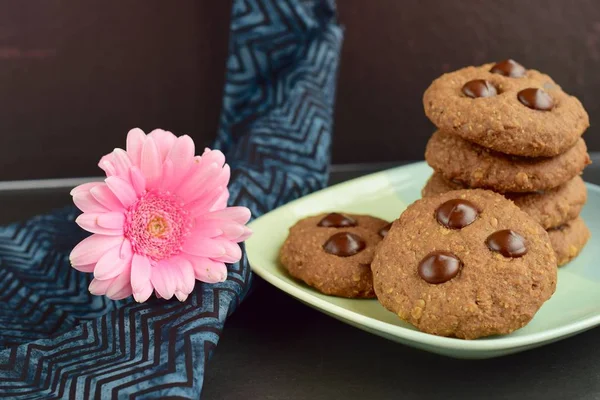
(507,108)
(569,239)
(333,253)
(466,264)
(477,167)
(550,208)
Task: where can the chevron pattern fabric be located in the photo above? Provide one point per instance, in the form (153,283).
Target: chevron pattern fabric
(58,341)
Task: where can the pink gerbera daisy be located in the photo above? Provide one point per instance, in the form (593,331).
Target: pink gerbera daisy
(159,220)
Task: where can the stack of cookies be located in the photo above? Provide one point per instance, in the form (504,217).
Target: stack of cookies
(464,262)
(512,130)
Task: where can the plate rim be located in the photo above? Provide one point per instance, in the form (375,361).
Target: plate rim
(483,344)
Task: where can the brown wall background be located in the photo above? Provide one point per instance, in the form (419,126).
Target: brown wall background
(75,76)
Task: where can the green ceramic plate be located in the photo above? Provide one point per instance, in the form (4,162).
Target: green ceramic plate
(574,308)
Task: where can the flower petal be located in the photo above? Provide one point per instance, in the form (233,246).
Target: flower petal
(122,163)
(89,222)
(209,229)
(141,271)
(186,271)
(207,270)
(151,163)
(180,293)
(201,246)
(85,268)
(135,142)
(232,230)
(182,152)
(213,156)
(182,157)
(118,292)
(247,233)
(107,198)
(167,175)
(233,252)
(144,294)
(87,203)
(221,202)
(107,166)
(90,249)
(204,203)
(98,287)
(126,250)
(120,295)
(223,177)
(241,215)
(176,275)
(163,281)
(85,187)
(137,180)
(216,227)
(188,278)
(122,189)
(121,286)
(215,182)
(164,141)
(181,296)
(197,177)
(111,220)
(111,264)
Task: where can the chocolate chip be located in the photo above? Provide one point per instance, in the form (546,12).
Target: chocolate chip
(479,88)
(536,99)
(439,267)
(509,68)
(344,244)
(337,220)
(456,213)
(384,231)
(507,242)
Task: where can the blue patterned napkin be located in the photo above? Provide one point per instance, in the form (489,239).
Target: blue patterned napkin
(58,341)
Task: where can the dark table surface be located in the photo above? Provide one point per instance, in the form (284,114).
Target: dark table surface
(275,347)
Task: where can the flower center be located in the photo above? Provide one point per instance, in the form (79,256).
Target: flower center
(156,225)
